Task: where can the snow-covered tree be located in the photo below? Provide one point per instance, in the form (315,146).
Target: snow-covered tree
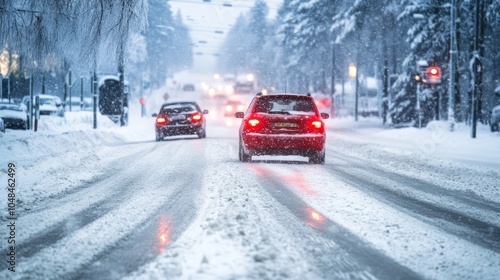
(428,37)
(168,43)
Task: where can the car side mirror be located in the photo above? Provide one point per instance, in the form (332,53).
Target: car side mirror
(239,115)
(324,115)
(154,115)
(205,112)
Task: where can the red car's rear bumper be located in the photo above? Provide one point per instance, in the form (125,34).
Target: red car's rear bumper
(257,143)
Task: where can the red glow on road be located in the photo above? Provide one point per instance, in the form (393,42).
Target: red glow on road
(314,219)
(163,233)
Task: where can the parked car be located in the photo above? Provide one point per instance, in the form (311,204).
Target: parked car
(14,115)
(282,124)
(180,118)
(49,105)
(495,119)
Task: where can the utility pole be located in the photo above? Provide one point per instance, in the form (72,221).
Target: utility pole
(93,87)
(453,53)
(422,68)
(70,84)
(30,81)
(121,74)
(385,105)
(8,87)
(356,97)
(333,81)
(476,68)
(43,85)
(81,91)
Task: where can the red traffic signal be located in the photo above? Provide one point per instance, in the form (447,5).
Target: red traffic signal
(433,75)
(142,101)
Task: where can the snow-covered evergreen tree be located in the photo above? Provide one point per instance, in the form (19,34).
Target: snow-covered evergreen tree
(428,37)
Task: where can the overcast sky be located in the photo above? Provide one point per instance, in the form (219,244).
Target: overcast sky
(205,18)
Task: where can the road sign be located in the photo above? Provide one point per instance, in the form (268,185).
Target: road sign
(70,78)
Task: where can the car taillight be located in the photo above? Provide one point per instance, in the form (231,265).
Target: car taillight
(161,120)
(229,108)
(317,124)
(196,117)
(253,122)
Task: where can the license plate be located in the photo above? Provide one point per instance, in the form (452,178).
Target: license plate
(285,124)
(177,118)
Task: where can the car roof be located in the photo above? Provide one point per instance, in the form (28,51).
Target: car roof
(283,94)
(179,103)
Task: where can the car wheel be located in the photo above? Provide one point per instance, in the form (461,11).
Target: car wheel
(317,158)
(159,136)
(494,127)
(244,157)
(202,133)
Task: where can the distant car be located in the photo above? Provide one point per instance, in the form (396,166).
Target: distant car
(14,115)
(180,118)
(188,87)
(495,119)
(282,124)
(49,105)
(323,102)
(233,106)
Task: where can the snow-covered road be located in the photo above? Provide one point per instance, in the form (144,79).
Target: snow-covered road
(118,205)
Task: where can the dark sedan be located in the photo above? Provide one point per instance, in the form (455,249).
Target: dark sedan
(14,115)
(180,118)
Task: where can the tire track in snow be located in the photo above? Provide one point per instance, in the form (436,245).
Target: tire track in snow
(57,210)
(369,262)
(463,197)
(481,233)
(161,228)
(112,194)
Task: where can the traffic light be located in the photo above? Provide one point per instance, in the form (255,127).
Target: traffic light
(433,75)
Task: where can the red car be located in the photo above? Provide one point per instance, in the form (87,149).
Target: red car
(282,124)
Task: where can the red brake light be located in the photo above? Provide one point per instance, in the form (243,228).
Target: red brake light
(229,108)
(161,120)
(253,122)
(196,117)
(316,124)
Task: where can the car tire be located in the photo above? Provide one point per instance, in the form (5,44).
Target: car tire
(159,136)
(244,157)
(317,158)
(202,133)
(494,127)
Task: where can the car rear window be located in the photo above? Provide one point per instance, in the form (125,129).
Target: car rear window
(285,104)
(178,108)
